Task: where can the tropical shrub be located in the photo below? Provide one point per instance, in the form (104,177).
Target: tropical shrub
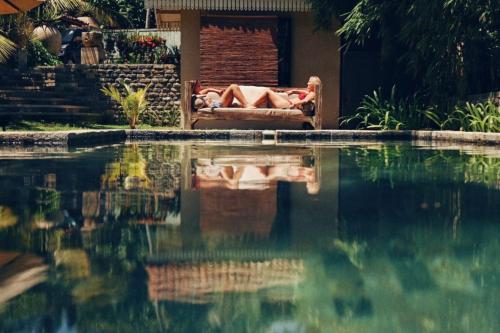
(440,48)
(479,117)
(173,118)
(38,55)
(133,102)
(132,10)
(146,50)
(378,113)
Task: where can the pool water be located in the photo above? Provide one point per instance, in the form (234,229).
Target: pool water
(199,237)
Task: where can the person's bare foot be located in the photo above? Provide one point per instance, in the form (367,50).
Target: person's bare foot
(250,106)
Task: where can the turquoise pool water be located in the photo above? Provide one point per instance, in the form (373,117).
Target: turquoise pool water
(203,237)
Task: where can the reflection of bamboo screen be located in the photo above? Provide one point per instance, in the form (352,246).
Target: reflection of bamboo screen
(241,212)
(199,282)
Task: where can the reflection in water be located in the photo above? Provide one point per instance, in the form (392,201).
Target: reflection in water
(18,273)
(197,237)
(201,282)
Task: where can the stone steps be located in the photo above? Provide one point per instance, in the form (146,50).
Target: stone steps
(24,85)
(24,108)
(33,96)
(28,99)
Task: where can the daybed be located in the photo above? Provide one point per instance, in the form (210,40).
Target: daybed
(190,115)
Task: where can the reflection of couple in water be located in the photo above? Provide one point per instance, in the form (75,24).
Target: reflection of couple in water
(251,177)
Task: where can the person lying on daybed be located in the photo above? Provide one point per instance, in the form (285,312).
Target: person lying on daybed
(277,100)
(215,98)
(224,99)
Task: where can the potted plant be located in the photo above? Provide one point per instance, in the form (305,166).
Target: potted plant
(46,30)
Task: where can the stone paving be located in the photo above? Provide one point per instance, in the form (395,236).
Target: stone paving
(92,137)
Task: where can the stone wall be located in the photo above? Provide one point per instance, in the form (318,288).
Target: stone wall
(83,83)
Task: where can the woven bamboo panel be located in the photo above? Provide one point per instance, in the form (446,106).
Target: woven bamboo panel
(238,50)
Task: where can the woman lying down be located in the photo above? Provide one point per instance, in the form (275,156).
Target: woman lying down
(233,96)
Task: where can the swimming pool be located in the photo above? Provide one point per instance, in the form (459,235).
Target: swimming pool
(199,237)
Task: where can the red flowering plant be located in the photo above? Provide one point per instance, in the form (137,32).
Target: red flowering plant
(143,49)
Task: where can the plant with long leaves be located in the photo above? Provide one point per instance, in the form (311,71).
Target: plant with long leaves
(7,48)
(378,113)
(133,102)
(478,117)
(443,48)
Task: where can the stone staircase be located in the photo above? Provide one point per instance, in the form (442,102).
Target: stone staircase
(33,95)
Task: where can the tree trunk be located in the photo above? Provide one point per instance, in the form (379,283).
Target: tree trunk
(22,59)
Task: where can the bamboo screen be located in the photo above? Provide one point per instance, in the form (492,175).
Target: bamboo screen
(240,50)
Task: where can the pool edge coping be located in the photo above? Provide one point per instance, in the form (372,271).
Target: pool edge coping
(94,137)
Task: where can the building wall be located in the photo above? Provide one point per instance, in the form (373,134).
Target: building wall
(84,82)
(190,45)
(323,61)
(317,53)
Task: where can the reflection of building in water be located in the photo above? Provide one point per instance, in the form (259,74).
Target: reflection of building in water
(242,212)
(238,189)
(235,211)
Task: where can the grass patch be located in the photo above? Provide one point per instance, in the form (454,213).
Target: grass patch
(41,126)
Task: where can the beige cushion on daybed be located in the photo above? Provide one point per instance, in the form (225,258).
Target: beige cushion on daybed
(258,113)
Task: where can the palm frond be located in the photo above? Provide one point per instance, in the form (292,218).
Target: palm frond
(23,32)
(133,102)
(105,15)
(7,48)
(62,5)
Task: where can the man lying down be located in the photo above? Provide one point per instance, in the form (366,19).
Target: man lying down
(252,97)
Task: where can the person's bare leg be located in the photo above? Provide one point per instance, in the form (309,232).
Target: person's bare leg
(275,100)
(263,98)
(233,91)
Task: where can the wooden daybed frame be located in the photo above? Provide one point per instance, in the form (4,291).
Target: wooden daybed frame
(190,116)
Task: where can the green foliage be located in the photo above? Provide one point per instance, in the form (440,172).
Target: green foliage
(139,49)
(38,55)
(20,29)
(133,102)
(173,118)
(480,117)
(107,13)
(117,10)
(378,113)
(360,22)
(442,48)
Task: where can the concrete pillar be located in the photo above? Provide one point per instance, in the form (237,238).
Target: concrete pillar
(317,53)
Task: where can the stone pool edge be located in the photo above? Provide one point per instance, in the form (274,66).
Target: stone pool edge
(96,137)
